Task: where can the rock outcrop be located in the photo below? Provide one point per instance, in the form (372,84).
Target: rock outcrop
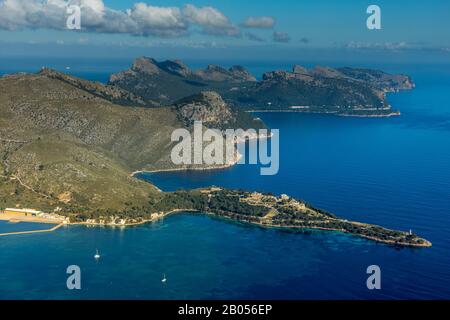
(207,106)
(214,112)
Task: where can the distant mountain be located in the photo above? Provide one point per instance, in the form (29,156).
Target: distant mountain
(344,91)
(235,74)
(168,81)
(379,79)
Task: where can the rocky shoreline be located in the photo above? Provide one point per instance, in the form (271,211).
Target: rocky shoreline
(425,244)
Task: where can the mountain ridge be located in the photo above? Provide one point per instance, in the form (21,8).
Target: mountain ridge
(343,91)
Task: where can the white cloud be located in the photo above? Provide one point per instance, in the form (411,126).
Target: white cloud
(141,19)
(95,5)
(304,40)
(254,37)
(281,37)
(162,21)
(259,22)
(32,14)
(211,20)
(398,46)
(379,45)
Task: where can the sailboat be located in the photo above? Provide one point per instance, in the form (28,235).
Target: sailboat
(97,255)
(164,279)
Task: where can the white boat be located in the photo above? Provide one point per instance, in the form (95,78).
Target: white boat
(164,279)
(97,255)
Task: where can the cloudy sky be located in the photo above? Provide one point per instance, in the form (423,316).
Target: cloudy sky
(229,24)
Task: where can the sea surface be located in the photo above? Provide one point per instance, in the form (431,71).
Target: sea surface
(7,226)
(389,171)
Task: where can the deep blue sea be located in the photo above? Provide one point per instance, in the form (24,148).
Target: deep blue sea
(389,171)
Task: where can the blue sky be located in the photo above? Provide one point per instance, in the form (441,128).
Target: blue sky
(419,26)
(325,22)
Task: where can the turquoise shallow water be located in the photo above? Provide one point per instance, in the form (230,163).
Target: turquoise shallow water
(394,172)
